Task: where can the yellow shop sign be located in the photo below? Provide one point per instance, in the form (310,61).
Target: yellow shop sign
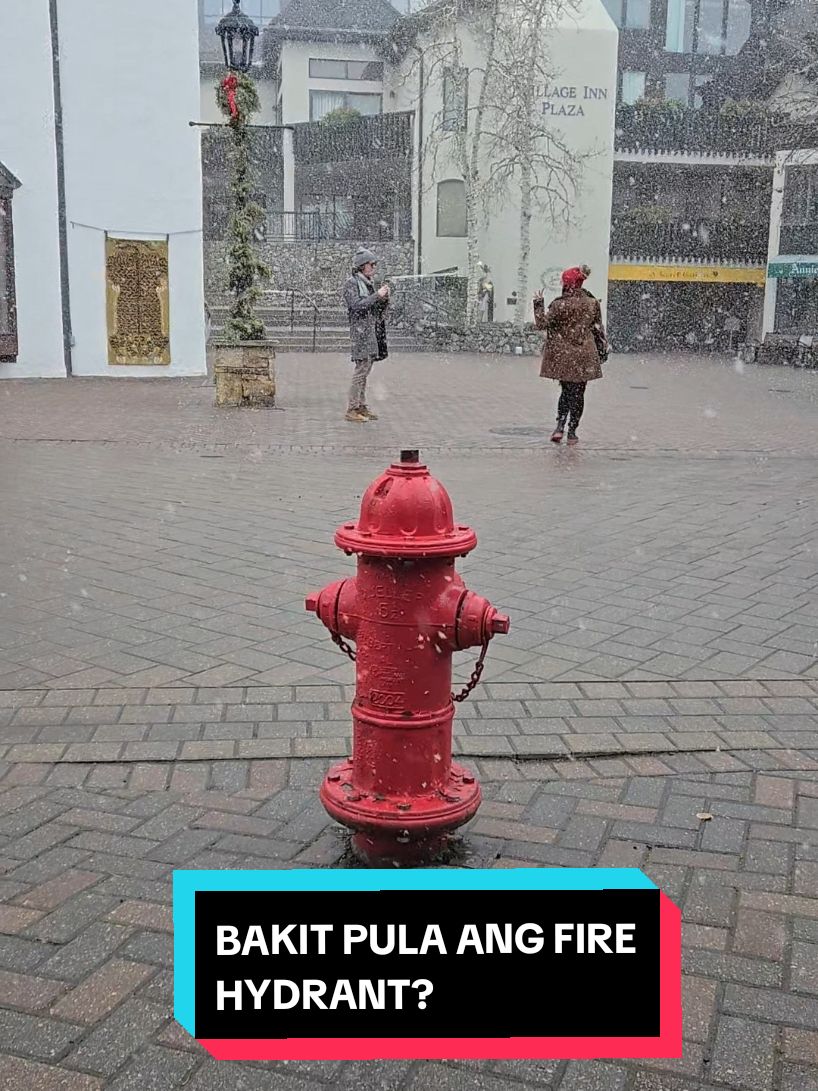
(688,274)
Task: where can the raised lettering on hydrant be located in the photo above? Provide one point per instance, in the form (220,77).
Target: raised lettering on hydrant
(406,611)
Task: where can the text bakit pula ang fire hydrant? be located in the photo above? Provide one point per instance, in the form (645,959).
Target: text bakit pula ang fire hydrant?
(407,611)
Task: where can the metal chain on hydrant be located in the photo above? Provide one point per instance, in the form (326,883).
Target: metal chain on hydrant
(475,675)
(342,644)
(470,686)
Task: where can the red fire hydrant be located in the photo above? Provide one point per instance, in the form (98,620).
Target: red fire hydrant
(407,611)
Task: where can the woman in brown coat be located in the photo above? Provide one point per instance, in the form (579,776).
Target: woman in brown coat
(575,346)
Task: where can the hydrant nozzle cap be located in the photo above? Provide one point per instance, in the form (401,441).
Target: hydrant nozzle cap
(500,623)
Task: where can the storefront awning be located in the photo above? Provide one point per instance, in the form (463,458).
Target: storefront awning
(687,274)
(793,265)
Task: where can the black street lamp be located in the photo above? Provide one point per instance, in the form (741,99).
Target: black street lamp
(238,34)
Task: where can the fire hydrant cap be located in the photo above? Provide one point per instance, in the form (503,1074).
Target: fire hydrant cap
(406,513)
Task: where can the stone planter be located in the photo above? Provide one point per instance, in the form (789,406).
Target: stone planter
(244,374)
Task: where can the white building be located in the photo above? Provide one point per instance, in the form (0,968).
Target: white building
(100,190)
(317,58)
(440,76)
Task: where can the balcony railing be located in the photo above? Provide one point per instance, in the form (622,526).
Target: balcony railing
(661,127)
(317,226)
(381,136)
(294,225)
(693,241)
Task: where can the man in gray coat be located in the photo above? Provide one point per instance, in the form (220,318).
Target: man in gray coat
(365,306)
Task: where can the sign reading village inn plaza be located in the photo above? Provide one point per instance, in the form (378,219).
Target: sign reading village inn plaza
(566,100)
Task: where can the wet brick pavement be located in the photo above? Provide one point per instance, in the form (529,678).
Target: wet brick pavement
(166,702)
(87,854)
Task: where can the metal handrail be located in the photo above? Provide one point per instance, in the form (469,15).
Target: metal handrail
(293,292)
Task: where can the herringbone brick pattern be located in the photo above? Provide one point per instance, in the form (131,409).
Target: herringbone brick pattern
(85,951)
(180,571)
(522,720)
(166,702)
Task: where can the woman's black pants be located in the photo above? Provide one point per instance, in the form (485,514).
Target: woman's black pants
(571,404)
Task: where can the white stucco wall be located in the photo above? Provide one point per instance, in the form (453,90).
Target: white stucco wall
(27,149)
(584,54)
(586,50)
(133,164)
(296,83)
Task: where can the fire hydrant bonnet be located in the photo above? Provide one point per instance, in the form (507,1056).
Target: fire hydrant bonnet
(406,513)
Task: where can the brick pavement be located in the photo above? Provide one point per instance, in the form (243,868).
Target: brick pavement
(133,566)
(85,951)
(522,720)
(165,701)
(456,402)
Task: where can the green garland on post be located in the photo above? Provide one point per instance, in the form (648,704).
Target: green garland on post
(238,100)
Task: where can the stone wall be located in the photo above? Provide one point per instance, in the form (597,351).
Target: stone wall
(500,338)
(432,300)
(315,268)
(779,350)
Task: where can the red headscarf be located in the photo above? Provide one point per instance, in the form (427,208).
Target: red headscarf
(574,278)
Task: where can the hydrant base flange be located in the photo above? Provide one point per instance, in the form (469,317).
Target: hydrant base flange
(385,850)
(401,828)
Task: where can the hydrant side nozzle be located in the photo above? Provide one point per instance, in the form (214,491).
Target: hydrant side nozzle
(500,623)
(311,603)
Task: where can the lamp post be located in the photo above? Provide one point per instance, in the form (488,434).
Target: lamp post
(244,357)
(237,33)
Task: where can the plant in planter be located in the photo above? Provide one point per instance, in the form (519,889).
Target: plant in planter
(736,109)
(342,115)
(244,367)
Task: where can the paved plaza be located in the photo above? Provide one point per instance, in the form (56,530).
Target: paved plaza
(166,701)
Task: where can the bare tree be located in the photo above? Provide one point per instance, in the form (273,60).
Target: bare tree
(453,136)
(525,152)
(495,134)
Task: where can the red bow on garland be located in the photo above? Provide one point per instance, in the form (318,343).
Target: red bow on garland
(229,85)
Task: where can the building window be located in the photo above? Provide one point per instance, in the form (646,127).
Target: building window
(326,69)
(707,27)
(677,87)
(800,196)
(698,83)
(260,11)
(679,28)
(451,209)
(637,14)
(325,102)
(630,14)
(633,87)
(455,99)
(8,297)
(796,305)
(739,18)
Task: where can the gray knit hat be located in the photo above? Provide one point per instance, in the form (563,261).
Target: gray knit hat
(361,258)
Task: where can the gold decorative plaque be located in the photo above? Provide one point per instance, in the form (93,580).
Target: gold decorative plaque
(137,301)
